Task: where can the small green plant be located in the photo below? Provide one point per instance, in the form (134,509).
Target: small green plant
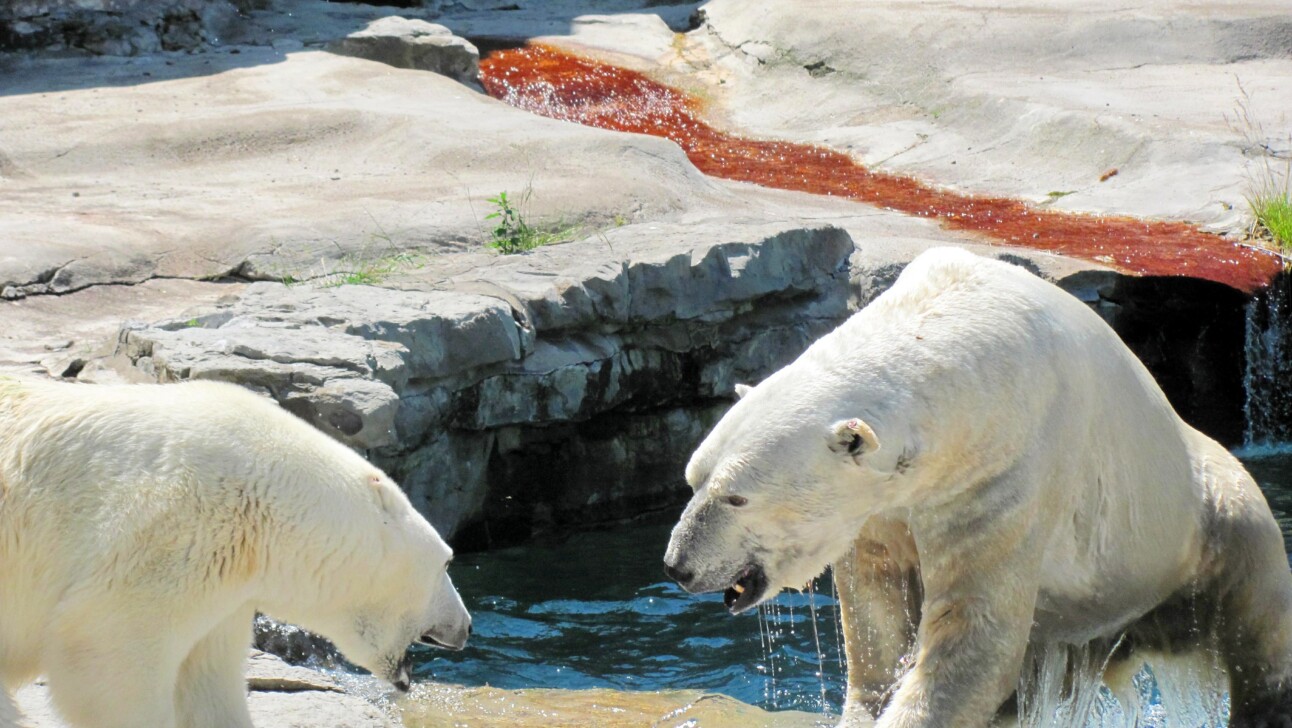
(364,269)
(378,259)
(512,233)
(1269,187)
(192,323)
(1271,203)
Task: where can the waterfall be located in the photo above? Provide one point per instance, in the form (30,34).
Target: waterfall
(1267,378)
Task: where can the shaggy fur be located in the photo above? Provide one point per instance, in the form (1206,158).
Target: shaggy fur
(142,527)
(1026,484)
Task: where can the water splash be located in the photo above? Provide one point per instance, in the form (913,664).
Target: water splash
(816,643)
(1267,378)
(1067,685)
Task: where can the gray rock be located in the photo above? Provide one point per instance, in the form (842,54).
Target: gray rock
(281,696)
(644,317)
(315,710)
(115,27)
(416,44)
(267,673)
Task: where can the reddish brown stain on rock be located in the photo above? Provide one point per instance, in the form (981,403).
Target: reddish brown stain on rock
(556,84)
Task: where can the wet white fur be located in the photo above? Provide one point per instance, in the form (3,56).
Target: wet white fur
(1049,489)
(141,528)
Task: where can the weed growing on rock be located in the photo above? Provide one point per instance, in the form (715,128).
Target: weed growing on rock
(512,233)
(1269,187)
(365,269)
(1271,203)
(378,259)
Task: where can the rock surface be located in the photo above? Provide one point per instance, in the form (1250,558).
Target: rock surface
(280,696)
(444,377)
(415,44)
(332,208)
(1128,108)
(118,27)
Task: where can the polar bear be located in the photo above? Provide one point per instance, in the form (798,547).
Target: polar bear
(990,470)
(143,526)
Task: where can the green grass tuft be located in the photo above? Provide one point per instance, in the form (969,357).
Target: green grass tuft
(1269,185)
(512,233)
(1274,214)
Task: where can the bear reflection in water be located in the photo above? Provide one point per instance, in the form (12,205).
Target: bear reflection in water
(1002,488)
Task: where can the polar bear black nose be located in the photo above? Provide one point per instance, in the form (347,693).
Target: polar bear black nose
(678,574)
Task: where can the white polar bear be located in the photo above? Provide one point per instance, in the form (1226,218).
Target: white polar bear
(142,527)
(989,469)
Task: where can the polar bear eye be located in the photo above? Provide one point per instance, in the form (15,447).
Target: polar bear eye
(855,445)
(737,500)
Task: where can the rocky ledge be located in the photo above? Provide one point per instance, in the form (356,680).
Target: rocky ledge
(531,391)
(280,696)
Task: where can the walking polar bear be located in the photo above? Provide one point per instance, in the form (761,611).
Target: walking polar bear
(142,527)
(990,470)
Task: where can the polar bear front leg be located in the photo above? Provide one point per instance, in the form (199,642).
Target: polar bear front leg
(108,671)
(211,690)
(980,573)
(877,585)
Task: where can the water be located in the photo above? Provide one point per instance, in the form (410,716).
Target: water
(1268,372)
(596,612)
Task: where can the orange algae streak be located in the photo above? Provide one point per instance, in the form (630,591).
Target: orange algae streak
(553,83)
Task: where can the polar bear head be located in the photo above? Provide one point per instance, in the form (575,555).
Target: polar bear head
(386,585)
(782,485)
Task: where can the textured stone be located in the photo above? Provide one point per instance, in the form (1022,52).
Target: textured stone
(415,44)
(116,27)
(281,696)
(268,673)
(665,317)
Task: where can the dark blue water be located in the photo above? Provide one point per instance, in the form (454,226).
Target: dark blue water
(596,611)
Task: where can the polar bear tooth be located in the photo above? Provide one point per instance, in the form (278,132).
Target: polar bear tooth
(738,588)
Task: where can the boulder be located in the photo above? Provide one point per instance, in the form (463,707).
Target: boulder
(415,44)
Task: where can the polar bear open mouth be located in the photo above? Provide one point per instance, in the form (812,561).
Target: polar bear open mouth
(747,590)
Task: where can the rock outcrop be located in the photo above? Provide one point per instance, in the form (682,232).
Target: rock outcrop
(118,27)
(281,696)
(538,390)
(415,44)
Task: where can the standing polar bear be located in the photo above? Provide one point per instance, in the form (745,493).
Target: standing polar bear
(990,470)
(142,527)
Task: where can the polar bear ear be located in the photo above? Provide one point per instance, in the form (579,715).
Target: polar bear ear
(854,437)
(742,390)
(384,493)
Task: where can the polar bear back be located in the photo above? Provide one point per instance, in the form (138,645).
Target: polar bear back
(90,474)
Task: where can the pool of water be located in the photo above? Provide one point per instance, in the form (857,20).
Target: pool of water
(595,611)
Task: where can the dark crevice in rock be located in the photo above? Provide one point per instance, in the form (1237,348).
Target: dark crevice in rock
(1189,333)
(818,69)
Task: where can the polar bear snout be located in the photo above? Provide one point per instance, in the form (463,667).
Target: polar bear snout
(679,573)
(446,638)
(403,677)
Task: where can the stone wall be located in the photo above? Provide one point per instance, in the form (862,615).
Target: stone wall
(117,27)
(559,387)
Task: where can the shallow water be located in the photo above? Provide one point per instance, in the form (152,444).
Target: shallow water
(596,614)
